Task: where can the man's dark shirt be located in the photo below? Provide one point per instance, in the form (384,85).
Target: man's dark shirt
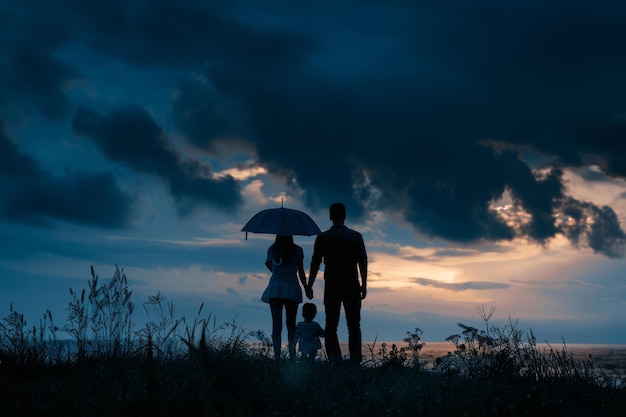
(342,249)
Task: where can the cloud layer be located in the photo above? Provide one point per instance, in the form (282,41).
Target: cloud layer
(32,194)
(461,286)
(432,112)
(131,137)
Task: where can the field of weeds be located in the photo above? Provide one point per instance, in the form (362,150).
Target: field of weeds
(198,367)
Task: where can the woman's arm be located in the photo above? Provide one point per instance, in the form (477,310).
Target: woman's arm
(301,273)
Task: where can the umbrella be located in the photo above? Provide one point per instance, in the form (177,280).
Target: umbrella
(282,221)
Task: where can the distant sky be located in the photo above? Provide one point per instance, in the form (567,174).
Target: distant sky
(479,146)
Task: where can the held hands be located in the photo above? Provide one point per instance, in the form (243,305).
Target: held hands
(363,291)
(308,290)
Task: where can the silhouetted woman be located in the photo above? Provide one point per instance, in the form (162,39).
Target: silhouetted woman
(285,261)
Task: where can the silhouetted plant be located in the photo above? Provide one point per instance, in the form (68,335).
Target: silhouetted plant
(415,346)
(100,321)
(264,345)
(162,328)
(395,355)
(509,352)
(23,344)
(173,366)
(485,315)
(392,356)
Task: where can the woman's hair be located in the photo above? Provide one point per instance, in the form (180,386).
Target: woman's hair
(282,248)
(309,310)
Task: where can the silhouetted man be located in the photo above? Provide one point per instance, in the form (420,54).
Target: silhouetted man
(342,250)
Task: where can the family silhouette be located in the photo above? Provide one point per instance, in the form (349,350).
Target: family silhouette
(342,250)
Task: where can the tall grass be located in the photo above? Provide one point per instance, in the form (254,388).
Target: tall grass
(176,366)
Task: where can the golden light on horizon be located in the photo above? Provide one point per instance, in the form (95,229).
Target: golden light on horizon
(390,271)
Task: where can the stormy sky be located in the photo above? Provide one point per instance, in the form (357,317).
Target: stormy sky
(479,147)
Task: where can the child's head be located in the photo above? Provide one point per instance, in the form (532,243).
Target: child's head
(309,310)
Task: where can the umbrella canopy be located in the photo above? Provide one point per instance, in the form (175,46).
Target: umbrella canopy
(282,221)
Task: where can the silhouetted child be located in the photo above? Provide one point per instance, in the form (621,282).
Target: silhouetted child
(308,332)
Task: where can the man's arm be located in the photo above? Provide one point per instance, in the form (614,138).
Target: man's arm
(301,273)
(316,261)
(363,270)
(308,289)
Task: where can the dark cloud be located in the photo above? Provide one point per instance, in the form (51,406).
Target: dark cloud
(539,196)
(598,227)
(602,143)
(130,136)
(205,116)
(77,197)
(164,33)
(461,286)
(30,194)
(436,132)
(13,161)
(423,110)
(448,191)
(31,76)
